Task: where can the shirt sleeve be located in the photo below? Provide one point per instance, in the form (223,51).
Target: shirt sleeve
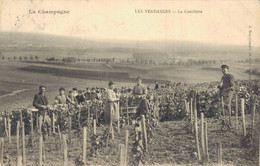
(57,98)
(134,91)
(232,80)
(35,102)
(46,98)
(144,90)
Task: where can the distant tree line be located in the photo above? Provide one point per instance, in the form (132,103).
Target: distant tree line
(20,58)
(136,60)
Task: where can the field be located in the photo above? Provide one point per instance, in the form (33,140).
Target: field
(25,78)
(170,145)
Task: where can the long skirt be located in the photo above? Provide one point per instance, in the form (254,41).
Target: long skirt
(111,112)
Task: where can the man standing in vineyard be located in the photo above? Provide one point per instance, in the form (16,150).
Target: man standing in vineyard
(226,87)
(40,101)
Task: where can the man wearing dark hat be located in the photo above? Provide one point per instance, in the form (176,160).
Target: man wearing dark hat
(226,86)
(40,102)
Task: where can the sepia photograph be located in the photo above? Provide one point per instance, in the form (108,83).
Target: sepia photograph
(129,83)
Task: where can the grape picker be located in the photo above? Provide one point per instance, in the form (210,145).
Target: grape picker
(140,94)
(226,86)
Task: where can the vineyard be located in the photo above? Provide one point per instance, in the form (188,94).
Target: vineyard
(184,124)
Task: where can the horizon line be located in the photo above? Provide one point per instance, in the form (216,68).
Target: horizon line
(130,40)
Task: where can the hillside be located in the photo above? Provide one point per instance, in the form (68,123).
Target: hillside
(26,44)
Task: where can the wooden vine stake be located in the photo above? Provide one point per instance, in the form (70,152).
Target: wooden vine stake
(37,122)
(127,114)
(85,145)
(243,116)
(118,126)
(9,129)
(196,133)
(65,150)
(23,141)
(186,107)
(6,127)
(118,118)
(144,133)
(43,152)
(40,150)
(112,132)
(32,129)
(94,127)
(206,158)
(88,114)
(219,152)
(191,111)
(122,155)
(53,122)
(60,136)
(69,129)
(222,106)
(126,145)
(1,151)
(19,160)
(40,125)
(229,113)
(202,136)
(121,111)
(236,110)
(21,116)
(79,124)
(253,115)
(17,137)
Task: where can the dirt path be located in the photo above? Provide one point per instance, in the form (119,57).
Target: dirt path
(14,93)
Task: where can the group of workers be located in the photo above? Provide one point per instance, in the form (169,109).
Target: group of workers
(111,96)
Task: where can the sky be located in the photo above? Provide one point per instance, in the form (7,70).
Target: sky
(221,22)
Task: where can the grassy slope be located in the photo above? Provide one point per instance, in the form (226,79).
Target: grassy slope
(18,79)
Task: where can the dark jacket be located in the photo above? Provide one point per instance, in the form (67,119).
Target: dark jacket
(80,98)
(228,82)
(93,96)
(40,100)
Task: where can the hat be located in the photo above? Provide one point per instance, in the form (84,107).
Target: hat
(80,91)
(74,89)
(42,86)
(224,66)
(138,78)
(62,89)
(110,83)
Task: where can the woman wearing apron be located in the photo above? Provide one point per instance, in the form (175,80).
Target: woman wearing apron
(111,113)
